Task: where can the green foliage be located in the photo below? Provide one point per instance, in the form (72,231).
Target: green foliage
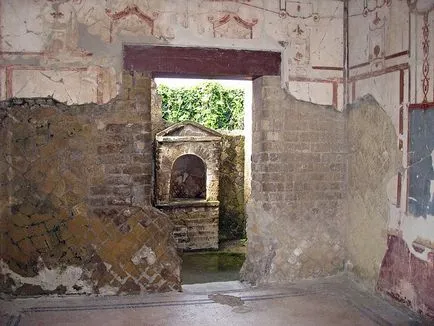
(208,103)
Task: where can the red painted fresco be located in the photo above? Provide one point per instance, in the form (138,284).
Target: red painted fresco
(426,60)
(407,278)
(132,10)
(217,23)
(205,62)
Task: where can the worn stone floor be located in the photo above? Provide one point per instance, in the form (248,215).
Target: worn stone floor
(330,301)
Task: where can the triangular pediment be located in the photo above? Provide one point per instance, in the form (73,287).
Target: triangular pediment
(187,129)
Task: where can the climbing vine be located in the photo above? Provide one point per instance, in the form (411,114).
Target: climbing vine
(208,103)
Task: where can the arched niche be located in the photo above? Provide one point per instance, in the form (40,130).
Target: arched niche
(190,149)
(188,178)
(187,160)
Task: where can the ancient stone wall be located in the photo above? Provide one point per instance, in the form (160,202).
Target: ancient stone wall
(75,196)
(295,224)
(232,220)
(389,59)
(73,50)
(187,182)
(195,225)
(167,153)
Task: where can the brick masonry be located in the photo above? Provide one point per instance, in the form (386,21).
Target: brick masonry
(232,220)
(195,227)
(196,219)
(76,191)
(194,140)
(296,216)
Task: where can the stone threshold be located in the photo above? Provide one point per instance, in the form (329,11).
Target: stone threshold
(189,203)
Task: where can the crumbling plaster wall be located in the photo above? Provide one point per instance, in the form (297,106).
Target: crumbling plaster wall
(373,160)
(296,213)
(73,49)
(390,57)
(75,198)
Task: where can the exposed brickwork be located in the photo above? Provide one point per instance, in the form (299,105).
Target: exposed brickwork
(295,215)
(195,140)
(195,217)
(75,191)
(232,220)
(195,227)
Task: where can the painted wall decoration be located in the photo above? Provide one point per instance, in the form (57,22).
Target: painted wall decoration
(426,60)
(376,43)
(131,19)
(72,50)
(60,38)
(297,52)
(393,65)
(298,9)
(372,5)
(309,72)
(232,26)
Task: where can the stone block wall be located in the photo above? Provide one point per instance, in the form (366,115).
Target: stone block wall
(295,225)
(75,196)
(195,216)
(196,227)
(125,151)
(232,221)
(166,155)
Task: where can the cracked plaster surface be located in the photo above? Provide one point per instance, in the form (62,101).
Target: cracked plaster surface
(50,279)
(82,34)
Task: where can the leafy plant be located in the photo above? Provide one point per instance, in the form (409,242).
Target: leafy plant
(208,103)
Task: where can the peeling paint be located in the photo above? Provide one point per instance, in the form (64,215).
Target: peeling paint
(59,38)
(50,279)
(108,290)
(144,253)
(371,135)
(414,228)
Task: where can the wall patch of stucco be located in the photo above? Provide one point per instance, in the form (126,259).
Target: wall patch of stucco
(373,161)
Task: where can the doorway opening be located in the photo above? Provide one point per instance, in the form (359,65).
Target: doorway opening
(205,101)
